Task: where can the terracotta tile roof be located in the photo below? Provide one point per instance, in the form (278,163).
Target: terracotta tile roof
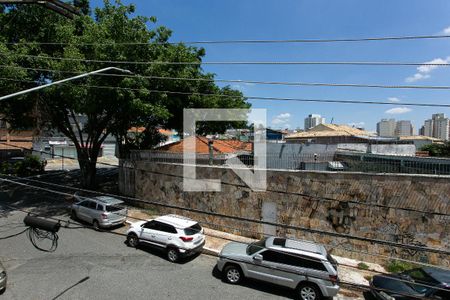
(327,130)
(15,145)
(219,146)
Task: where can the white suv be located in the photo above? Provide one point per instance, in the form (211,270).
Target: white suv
(178,235)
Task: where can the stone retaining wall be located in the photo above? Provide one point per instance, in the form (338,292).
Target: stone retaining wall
(349,204)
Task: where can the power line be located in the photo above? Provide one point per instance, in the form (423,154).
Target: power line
(353,63)
(258,82)
(261,222)
(249,41)
(311,197)
(256,98)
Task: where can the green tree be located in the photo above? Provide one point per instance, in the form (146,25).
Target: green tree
(114,103)
(440,150)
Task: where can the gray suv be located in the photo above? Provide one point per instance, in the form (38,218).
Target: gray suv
(101,211)
(301,265)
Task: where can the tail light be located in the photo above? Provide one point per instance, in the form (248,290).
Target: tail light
(186,238)
(104,216)
(334,279)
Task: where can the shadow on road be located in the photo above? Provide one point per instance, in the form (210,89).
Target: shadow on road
(259,286)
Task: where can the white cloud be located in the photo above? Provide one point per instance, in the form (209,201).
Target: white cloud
(417,77)
(282,119)
(423,72)
(446,30)
(398,110)
(393,99)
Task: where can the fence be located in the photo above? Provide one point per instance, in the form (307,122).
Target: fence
(332,161)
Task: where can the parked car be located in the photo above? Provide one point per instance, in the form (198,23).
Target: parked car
(101,211)
(3,278)
(301,265)
(419,283)
(177,235)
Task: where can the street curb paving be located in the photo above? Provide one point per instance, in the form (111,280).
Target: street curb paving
(210,251)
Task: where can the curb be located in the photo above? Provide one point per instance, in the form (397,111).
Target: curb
(210,251)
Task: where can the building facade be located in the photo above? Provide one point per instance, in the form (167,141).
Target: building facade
(313,120)
(438,127)
(386,128)
(404,128)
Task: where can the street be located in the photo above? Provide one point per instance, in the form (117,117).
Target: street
(109,269)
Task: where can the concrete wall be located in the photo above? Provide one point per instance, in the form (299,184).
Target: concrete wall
(291,199)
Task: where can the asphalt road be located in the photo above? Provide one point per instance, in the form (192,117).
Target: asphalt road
(99,265)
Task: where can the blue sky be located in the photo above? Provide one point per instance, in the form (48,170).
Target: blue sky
(294,19)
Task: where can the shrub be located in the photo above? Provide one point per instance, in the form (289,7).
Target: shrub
(363,266)
(397,266)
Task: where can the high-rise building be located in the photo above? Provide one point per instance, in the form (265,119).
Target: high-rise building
(404,128)
(438,127)
(386,127)
(313,120)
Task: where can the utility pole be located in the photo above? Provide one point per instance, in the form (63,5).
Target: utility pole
(57,6)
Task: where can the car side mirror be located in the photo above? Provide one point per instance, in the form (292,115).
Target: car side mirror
(258,257)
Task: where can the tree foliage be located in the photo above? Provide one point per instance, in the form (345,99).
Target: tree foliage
(112,33)
(439,150)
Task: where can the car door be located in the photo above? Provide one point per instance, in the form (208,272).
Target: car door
(91,212)
(165,234)
(149,231)
(274,267)
(83,210)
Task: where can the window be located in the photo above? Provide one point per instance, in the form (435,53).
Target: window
(92,205)
(166,228)
(84,203)
(256,246)
(112,208)
(293,260)
(194,229)
(99,207)
(150,225)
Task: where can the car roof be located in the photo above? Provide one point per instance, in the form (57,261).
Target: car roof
(440,275)
(108,200)
(176,221)
(297,246)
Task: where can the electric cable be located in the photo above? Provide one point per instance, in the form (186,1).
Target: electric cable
(248,41)
(286,226)
(277,63)
(308,196)
(256,98)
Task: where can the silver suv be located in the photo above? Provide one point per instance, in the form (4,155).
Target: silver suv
(101,211)
(301,265)
(179,236)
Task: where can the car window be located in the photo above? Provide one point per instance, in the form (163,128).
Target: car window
(92,205)
(99,207)
(166,228)
(84,203)
(150,225)
(112,208)
(256,246)
(293,260)
(194,229)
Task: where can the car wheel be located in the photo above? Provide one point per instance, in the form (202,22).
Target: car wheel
(95,225)
(173,255)
(232,274)
(132,240)
(73,215)
(308,292)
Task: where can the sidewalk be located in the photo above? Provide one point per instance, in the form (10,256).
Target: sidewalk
(217,239)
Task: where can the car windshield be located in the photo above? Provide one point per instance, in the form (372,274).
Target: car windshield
(194,229)
(256,246)
(113,208)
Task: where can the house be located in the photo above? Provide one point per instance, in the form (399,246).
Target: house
(203,145)
(14,142)
(330,134)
